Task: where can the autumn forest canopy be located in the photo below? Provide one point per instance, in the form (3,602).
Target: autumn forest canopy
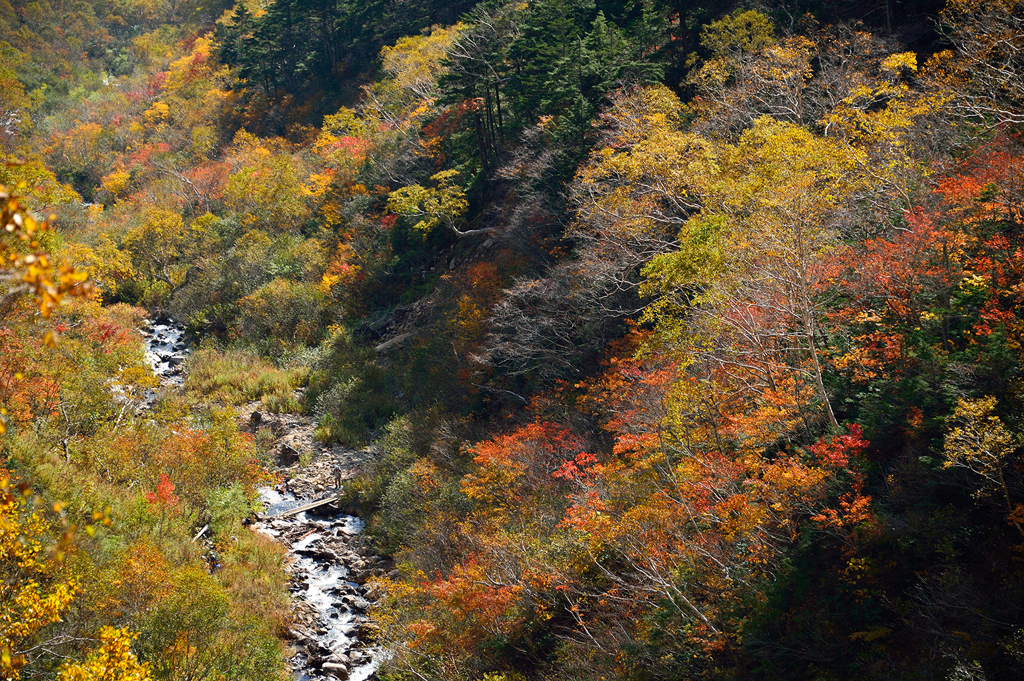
(681,340)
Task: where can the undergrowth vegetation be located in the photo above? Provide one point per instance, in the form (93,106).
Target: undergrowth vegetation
(152,479)
(685,338)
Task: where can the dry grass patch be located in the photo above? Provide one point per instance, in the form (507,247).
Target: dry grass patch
(235,377)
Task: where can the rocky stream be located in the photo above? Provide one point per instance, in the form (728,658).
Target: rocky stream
(329,562)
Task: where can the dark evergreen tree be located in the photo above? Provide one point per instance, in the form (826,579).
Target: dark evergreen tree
(304,47)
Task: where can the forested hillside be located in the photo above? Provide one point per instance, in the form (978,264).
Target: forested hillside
(679,340)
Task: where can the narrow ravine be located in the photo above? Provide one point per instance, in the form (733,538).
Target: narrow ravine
(329,563)
(328,571)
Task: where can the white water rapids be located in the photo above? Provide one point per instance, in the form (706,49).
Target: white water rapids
(324,551)
(321,579)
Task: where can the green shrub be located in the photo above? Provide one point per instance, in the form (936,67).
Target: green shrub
(227,506)
(282,310)
(353,407)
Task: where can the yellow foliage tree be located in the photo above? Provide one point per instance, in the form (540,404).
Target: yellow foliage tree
(750,222)
(116,182)
(445,203)
(32,596)
(985,72)
(26,268)
(266,185)
(392,107)
(982,444)
(155,244)
(36,183)
(112,661)
(414,62)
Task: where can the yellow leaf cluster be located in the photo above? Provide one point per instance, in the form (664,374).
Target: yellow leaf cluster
(445,203)
(414,62)
(185,69)
(29,598)
(25,267)
(116,182)
(317,186)
(112,661)
(981,441)
(158,113)
(982,444)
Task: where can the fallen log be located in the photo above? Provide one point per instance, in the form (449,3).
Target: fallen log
(307,507)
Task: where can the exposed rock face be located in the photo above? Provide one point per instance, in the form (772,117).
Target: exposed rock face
(288,455)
